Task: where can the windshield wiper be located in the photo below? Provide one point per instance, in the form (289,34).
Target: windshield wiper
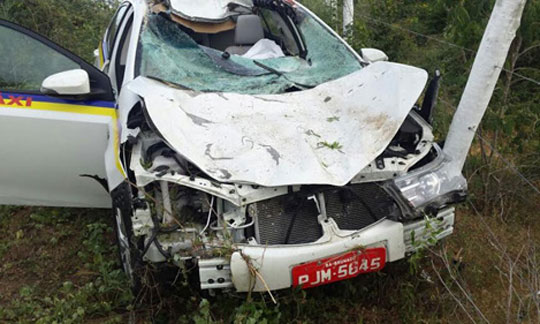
(267,68)
(169,83)
(281,74)
(228,65)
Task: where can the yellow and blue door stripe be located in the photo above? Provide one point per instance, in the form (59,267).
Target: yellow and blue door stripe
(13,100)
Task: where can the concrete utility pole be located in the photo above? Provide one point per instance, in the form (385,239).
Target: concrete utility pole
(500,32)
(348,16)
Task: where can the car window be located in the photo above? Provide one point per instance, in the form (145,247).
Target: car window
(113,28)
(277,30)
(168,53)
(26,62)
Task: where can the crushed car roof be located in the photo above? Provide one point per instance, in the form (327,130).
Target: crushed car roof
(209,10)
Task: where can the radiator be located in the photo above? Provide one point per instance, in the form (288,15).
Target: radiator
(292,219)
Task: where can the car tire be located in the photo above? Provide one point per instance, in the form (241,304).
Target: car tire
(129,247)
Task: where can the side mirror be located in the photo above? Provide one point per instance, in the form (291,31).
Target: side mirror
(96,58)
(373,55)
(68,83)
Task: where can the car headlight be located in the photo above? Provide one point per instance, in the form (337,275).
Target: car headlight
(436,183)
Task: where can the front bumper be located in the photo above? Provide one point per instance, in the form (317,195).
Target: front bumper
(274,263)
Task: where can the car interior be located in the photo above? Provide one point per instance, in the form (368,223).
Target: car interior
(240,34)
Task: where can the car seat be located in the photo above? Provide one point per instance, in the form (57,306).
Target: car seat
(249,30)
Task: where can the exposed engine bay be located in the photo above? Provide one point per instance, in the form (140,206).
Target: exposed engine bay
(181,214)
(232,161)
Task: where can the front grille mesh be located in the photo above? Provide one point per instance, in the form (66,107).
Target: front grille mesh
(276,216)
(352,207)
(358,206)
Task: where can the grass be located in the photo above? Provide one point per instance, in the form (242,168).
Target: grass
(332,146)
(60,266)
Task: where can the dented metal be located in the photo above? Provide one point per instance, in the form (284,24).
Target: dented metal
(210,11)
(325,135)
(244,168)
(247,168)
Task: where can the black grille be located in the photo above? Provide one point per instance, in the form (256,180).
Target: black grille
(288,219)
(292,219)
(357,206)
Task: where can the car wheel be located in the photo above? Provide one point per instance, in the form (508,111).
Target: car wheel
(128,249)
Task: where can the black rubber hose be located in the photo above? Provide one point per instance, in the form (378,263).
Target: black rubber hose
(153,238)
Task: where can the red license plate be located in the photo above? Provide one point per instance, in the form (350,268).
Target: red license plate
(340,267)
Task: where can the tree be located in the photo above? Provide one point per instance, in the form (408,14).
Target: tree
(77,25)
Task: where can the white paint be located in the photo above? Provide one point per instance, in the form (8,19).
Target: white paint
(277,140)
(140,10)
(443,227)
(126,99)
(374,55)
(117,50)
(275,263)
(486,69)
(114,170)
(397,166)
(43,154)
(167,208)
(207,10)
(235,194)
(72,82)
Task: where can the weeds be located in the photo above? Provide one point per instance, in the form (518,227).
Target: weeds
(89,285)
(332,146)
(104,290)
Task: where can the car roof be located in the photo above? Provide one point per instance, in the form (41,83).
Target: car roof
(209,11)
(138,4)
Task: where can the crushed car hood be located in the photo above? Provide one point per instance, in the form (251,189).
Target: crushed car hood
(325,135)
(208,10)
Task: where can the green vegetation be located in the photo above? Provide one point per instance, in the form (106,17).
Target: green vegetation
(333,146)
(60,265)
(77,25)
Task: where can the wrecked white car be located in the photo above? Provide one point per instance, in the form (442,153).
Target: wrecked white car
(243,138)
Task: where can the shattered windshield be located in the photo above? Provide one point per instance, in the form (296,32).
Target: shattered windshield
(265,64)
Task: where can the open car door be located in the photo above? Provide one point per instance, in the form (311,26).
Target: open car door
(58,130)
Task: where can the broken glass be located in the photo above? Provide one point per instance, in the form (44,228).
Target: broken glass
(169,54)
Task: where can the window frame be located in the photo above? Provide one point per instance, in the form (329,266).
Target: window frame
(99,82)
(122,40)
(107,52)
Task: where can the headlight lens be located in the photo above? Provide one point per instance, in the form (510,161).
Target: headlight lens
(427,186)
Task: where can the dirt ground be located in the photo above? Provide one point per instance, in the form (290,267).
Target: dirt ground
(59,262)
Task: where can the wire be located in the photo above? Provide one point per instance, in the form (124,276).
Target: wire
(438,40)
(403,29)
(509,164)
(209,216)
(520,75)
(435,39)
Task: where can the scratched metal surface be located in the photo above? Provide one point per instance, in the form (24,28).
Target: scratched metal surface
(211,11)
(324,135)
